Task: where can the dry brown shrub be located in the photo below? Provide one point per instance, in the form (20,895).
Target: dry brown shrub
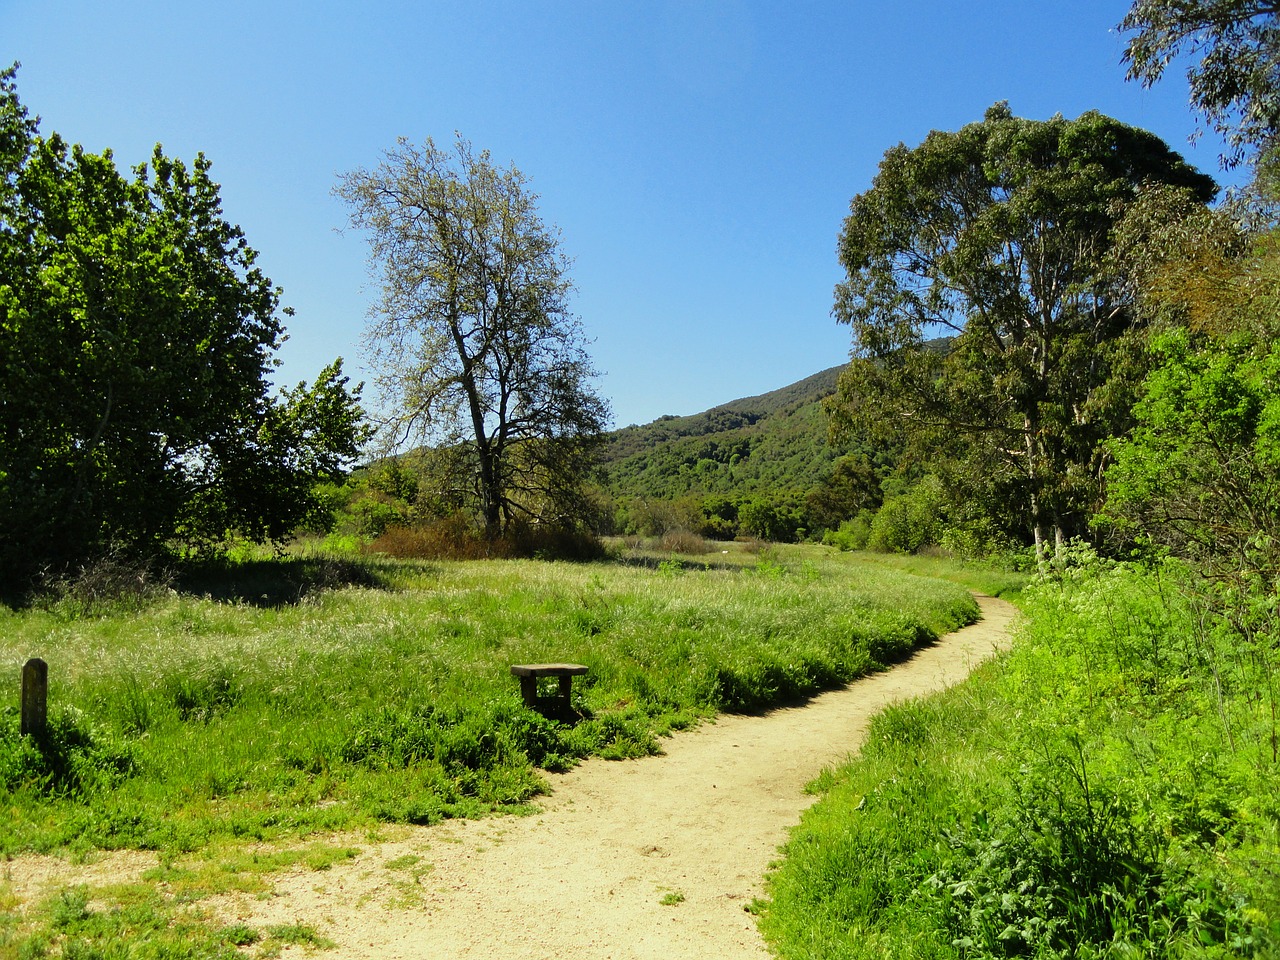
(455,538)
(683,541)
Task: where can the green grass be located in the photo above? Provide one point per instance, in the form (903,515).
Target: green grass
(162,913)
(273,703)
(193,720)
(992,579)
(1107,789)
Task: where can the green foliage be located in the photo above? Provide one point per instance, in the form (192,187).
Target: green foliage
(1066,868)
(997,233)
(75,758)
(272,705)
(1231,48)
(854,485)
(769,520)
(910,521)
(1091,794)
(695,472)
(852,534)
(136,341)
(1200,472)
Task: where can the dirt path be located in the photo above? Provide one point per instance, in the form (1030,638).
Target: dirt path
(587,877)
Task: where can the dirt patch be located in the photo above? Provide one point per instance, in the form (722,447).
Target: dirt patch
(653,858)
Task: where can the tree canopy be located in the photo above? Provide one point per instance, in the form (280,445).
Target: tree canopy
(996,235)
(136,342)
(1234,46)
(473,342)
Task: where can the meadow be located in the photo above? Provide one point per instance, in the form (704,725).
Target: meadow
(252,712)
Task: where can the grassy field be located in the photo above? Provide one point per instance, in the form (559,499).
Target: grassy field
(1110,788)
(283,700)
(186,719)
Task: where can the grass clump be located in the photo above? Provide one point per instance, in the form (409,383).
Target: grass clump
(1092,794)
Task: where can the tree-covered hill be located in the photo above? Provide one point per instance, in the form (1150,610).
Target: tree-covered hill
(773,442)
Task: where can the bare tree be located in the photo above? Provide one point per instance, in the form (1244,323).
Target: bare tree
(472,340)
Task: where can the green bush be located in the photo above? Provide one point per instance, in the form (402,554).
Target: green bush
(1107,789)
(910,521)
(74,758)
(769,520)
(852,534)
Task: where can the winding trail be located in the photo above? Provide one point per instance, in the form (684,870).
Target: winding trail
(586,877)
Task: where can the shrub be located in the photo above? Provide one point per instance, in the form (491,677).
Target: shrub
(767,520)
(456,538)
(683,541)
(113,581)
(911,520)
(852,534)
(73,758)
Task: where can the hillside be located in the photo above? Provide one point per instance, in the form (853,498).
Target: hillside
(776,441)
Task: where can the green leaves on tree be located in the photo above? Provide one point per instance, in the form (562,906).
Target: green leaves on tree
(988,329)
(475,348)
(136,341)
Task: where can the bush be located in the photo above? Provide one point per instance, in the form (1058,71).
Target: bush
(768,520)
(112,582)
(912,520)
(853,534)
(455,538)
(682,541)
(74,757)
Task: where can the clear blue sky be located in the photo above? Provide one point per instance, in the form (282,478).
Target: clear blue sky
(698,157)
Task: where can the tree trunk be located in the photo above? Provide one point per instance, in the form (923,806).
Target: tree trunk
(490,482)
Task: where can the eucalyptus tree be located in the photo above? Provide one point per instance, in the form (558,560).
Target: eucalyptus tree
(472,341)
(136,343)
(987,328)
(1232,50)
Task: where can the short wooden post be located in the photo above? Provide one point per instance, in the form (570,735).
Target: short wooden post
(35,696)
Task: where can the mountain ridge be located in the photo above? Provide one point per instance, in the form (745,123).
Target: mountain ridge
(770,442)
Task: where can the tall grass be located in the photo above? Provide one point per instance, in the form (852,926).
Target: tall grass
(190,718)
(1091,794)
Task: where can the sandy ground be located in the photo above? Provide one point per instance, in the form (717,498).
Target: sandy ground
(696,827)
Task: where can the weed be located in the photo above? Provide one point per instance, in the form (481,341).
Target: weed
(1079,797)
(73,758)
(301,934)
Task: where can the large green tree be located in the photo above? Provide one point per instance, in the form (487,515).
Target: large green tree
(136,343)
(1232,50)
(473,343)
(995,236)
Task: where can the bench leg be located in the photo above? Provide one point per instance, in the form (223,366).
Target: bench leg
(566,687)
(529,690)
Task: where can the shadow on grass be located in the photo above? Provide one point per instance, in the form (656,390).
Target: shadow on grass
(674,563)
(276,582)
(114,584)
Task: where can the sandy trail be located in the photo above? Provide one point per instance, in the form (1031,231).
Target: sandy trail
(586,877)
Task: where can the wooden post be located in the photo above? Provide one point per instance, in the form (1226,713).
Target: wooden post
(35,694)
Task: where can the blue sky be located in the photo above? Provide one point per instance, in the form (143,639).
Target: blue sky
(698,157)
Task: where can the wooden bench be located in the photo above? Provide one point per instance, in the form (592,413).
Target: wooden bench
(557,705)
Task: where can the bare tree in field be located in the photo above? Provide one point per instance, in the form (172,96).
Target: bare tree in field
(472,341)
